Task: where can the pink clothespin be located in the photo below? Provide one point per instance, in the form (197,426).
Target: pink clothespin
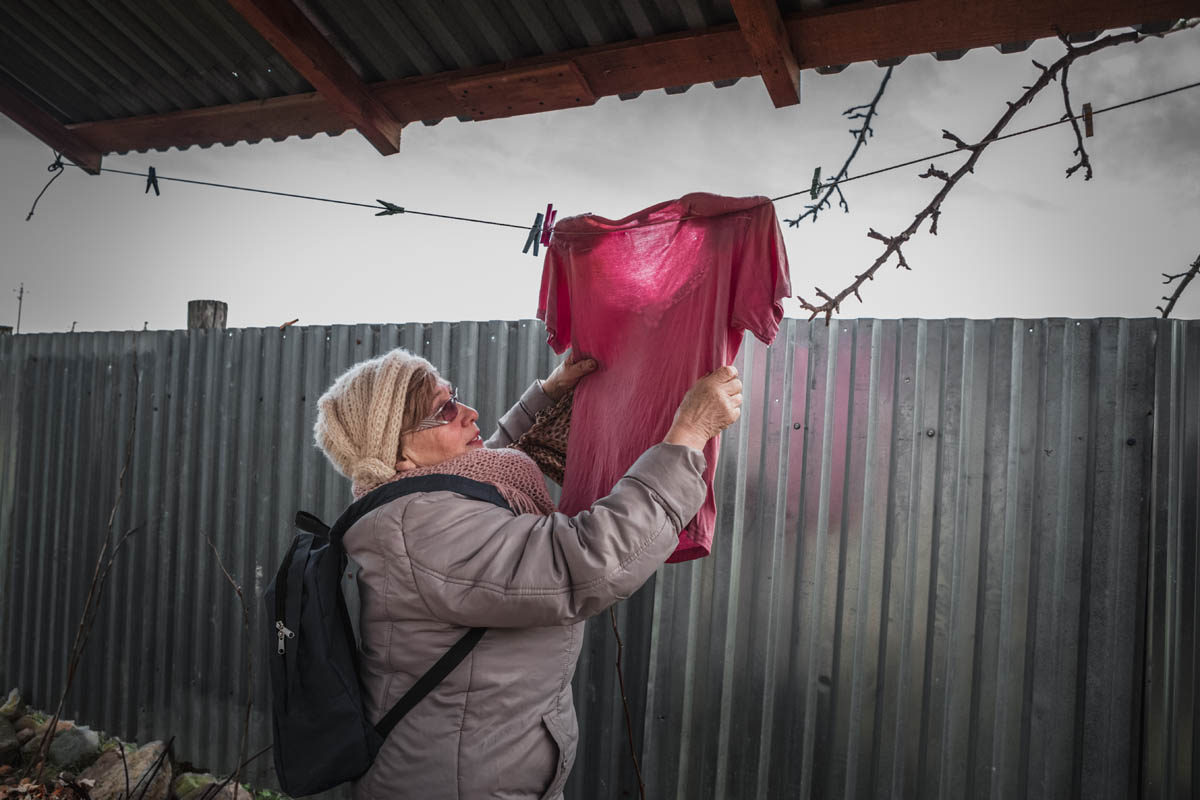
(548,223)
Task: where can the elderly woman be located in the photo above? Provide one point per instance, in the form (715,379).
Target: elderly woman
(502,724)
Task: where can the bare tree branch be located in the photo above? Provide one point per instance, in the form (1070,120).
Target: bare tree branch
(1184,279)
(625,701)
(233,777)
(124,765)
(866,113)
(147,778)
(1084,162)
(91,605)
(832,303)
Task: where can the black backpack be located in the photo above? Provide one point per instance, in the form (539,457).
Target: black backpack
(322,735)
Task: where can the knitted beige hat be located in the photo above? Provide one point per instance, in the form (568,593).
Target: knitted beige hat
(359,418)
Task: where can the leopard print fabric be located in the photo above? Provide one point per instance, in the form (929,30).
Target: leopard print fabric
(546,440)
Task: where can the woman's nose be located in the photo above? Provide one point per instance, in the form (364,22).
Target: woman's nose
(470,416)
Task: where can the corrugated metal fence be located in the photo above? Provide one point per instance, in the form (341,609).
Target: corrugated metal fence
(953,558)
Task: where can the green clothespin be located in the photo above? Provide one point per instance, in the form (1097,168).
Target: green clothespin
(389,208)
(816,184)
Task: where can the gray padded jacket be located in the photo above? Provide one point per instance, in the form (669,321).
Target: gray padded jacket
(502,725)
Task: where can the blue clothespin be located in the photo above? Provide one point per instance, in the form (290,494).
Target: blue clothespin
(535,235)
(389,208)
(816,184)
(152,182)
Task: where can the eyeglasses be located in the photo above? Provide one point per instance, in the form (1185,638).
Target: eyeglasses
(443,416)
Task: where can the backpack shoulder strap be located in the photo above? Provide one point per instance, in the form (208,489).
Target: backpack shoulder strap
(307,522)
(396,489)
(424,685)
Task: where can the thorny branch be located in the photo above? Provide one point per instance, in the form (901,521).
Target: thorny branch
(625,701)
(233,777)
(91,606)
(832,303)
(866,113)
(1084,162)
(1184,279)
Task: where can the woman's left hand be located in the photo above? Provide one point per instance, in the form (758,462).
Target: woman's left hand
(566,375)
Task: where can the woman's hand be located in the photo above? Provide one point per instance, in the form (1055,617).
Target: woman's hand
(566,375)
(712,404)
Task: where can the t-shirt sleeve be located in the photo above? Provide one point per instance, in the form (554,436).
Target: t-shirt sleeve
(761,279)
(554,300)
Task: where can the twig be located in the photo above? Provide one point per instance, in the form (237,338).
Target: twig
(860,139)
(932,212)
(625,702)
(249,669)
(57,168)
(147,778)
(91,605)
(1084,162)
(124,766)
(77,787)
(1184,279)
(212,790)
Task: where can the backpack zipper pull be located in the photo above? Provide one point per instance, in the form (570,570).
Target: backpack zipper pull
(283,632)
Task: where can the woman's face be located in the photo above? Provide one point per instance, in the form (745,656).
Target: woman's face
(435,445)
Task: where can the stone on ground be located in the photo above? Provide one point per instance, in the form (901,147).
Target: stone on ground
(74,749)
(10,745)
(13,709)
(109,774)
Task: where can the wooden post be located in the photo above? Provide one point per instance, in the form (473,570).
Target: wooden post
(206,314)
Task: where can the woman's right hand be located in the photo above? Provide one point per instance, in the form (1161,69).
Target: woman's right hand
(712,404)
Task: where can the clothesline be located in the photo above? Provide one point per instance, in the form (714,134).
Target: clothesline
(387,209)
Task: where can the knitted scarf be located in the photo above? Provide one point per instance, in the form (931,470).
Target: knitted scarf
(512,472)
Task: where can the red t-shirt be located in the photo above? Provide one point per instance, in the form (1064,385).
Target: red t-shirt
(658,306)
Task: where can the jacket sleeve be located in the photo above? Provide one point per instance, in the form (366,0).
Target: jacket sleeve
(519,418)
(476,564)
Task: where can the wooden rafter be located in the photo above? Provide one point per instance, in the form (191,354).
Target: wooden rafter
(843,34)
(769,45)
(291,33)
(25,113)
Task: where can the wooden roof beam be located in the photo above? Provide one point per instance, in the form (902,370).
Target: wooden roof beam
(769,45)
(291,33)
(841,34)
(20,110)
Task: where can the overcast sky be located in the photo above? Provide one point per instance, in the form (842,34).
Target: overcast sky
(1015,239)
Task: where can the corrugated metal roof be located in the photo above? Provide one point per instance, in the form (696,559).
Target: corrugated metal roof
(85,62)
(111,69)
(137,57)
(953,558)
